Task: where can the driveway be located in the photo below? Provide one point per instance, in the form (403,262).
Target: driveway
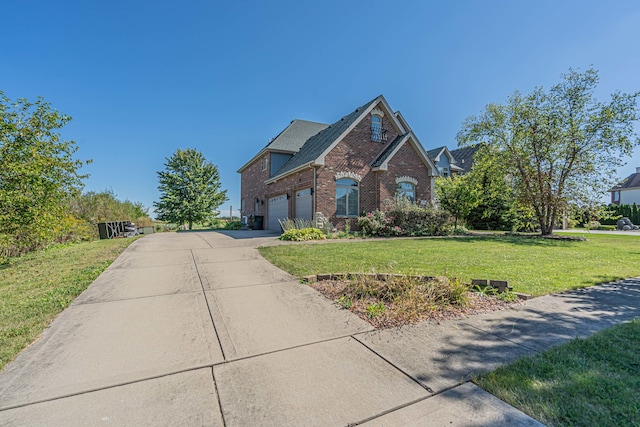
(197,329)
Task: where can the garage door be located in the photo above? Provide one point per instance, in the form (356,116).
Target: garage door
(278,209)
(303,204)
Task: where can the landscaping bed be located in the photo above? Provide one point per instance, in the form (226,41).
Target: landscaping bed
(387,301)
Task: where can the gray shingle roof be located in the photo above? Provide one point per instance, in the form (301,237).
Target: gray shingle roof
(387,151)
(293,137)
(632,181)
(434,153)
(317,144)
(464,157)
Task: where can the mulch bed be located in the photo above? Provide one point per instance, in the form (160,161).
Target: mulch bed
(395,316)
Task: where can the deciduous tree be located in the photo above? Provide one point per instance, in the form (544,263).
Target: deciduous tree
(38,175)
(189,189)
(559,146)
(458,195)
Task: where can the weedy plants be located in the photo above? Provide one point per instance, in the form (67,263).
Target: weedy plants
(345,302)
(375,309)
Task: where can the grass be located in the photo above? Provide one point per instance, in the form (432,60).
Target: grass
(532,266)
(36,287)
(586,382)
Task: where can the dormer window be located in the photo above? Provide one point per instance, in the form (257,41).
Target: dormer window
(378,134)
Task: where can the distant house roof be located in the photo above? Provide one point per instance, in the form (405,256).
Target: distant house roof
(464,157)
(632,181)
(317,144)
(435,153)
(290,140)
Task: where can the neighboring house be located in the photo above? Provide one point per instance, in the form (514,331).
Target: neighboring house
(338,171)
(445,161)
(464,158)
(628,191)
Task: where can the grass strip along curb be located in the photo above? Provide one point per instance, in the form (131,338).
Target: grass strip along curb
(593,381)
(36,287)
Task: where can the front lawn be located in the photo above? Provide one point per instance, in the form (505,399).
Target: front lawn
(586,382)
(533,266)
(36,287)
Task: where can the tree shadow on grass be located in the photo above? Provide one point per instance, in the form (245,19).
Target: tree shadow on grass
(515,240)
(443,355)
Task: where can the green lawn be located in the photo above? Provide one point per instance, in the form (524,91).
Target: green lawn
(586,382)
(36,287)
(532,266)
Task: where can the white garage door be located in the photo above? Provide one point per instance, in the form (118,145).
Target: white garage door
(278,209)
(303,204)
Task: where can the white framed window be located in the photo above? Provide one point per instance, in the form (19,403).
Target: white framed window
(265,163)
(347,195)
(406,189)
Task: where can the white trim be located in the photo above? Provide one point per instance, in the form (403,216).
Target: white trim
(377,112)
(402,120)
(379,101)
(351,175)
(292,171)
(418,147)
(406,179)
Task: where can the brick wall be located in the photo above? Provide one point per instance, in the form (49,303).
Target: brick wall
(354,154)
(252,187)
(406,162)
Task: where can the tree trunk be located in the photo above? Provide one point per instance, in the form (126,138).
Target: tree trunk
(190,225)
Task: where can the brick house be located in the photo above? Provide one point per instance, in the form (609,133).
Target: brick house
(338,171)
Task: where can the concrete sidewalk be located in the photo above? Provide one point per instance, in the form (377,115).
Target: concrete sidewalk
(198,329)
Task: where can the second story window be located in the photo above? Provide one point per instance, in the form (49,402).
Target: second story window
(377,132)
(265,163)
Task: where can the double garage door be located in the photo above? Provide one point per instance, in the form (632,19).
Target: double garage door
(279,208)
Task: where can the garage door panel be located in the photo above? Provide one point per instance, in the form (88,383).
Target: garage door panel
(303,204)
(278,209)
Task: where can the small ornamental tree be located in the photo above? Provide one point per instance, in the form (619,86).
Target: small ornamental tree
(560,146)
(189,189)
(458,195)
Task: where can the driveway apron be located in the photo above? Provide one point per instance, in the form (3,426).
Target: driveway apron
(196,328)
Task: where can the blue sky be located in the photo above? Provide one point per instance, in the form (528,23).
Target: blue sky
(144,78)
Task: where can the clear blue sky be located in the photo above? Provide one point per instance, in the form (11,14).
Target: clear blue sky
(143,78)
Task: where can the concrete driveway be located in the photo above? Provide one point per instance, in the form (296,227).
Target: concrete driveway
(198,329)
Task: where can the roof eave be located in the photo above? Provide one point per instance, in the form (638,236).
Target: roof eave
(291,172)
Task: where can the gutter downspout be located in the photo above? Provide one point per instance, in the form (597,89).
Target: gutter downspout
(315,195)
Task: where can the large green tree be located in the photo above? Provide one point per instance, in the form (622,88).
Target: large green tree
(38,175)
(189,189)
(559,146)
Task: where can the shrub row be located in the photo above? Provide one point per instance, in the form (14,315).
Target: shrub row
(403,218)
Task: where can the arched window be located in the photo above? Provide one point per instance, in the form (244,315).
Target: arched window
(406,189)
(347,197)
(376,128)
